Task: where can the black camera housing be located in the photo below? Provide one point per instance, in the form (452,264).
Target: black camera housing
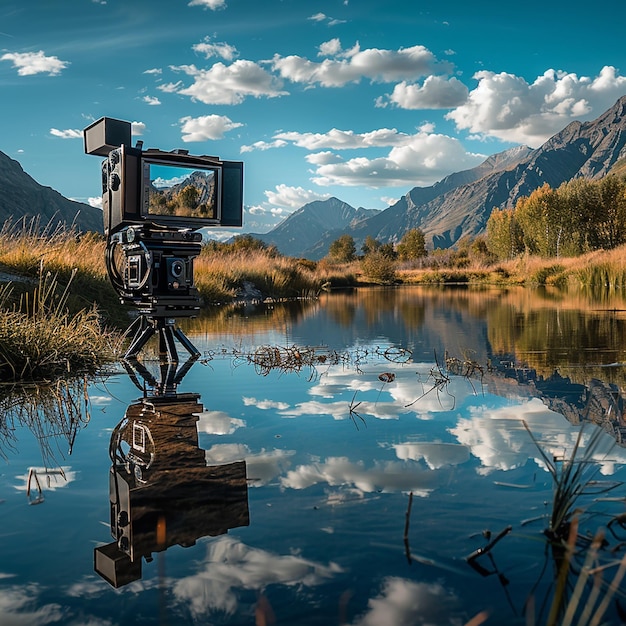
(152,269)
(168,189)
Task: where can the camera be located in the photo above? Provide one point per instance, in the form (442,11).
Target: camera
(153,202)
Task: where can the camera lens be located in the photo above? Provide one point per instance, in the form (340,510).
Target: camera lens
(177,268)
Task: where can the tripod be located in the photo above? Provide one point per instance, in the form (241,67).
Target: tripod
(143,329)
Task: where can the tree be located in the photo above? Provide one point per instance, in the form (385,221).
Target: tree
(504,235)
(342,250)
(412,245)
(370,245)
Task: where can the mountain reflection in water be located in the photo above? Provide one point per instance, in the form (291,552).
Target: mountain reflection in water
(375,456)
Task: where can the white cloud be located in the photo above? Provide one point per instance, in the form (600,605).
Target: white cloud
(227,84)
(330,48)
(21,606)
(157,71)
(498,438)
(208,4)
(422,160)
(505,106)
(29,63)
(223,50)
(323,158)
(263,145)
(292,197)
(373,63)
(345,139)
(402,602)
(137,128)
(265,404)
(387,476)
(151,100)
(435,93)
(70,133)
(206,127)
(230,565)
(218,423)
(95,202)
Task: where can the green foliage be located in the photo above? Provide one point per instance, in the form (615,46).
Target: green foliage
(412,246)
(379,268)
(342,250)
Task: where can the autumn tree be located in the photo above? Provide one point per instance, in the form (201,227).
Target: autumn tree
(412,245)
(342,250)
(505,239)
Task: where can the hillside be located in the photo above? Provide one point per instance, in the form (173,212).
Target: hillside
(21,196)
(460,204)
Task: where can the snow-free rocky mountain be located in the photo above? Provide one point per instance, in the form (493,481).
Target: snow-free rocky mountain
(21,196)
(456,206)
(461,203)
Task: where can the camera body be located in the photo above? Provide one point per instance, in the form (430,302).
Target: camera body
(153,202)
(151,268)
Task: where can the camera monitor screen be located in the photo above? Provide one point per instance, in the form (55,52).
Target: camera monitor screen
(180,190)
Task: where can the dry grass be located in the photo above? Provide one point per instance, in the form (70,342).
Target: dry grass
(41,340)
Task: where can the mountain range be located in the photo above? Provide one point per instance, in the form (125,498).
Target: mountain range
(21,196)
(460,204)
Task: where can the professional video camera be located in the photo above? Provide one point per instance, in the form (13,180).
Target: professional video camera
(153,202)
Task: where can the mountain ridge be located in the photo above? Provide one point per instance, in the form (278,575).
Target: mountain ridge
(460,204)
(21,196)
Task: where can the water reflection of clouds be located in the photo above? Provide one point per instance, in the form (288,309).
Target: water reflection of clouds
(435,455)
(497,437)
(403,601)
(261,467)
(218,423)
(230,565)
(17,607)
(47,479)
(388,476)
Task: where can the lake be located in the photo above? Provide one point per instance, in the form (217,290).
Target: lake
(380,456)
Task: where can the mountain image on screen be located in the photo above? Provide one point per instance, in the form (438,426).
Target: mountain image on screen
(195,196)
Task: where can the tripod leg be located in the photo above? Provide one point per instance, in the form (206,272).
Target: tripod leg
(167,346)
(139,341)
(183,339)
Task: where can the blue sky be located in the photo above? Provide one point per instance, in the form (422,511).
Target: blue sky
(357,99)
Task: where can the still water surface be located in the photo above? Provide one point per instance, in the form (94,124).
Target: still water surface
(321,465)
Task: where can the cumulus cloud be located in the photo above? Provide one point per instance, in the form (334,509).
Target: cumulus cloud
(389,476)
(404,601)
(292,197)
(227,84)
(95,201)
(498,438)
(209,49)
(506,106)
(435,93)
(151,100)
(30,63)
(230,565)
(422,160)
(261,467)
(20,605)
(69,133)
(345,139)
(218,423)
(351,66)
(435,454)
(206,127)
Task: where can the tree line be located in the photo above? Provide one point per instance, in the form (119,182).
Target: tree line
(578,217)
